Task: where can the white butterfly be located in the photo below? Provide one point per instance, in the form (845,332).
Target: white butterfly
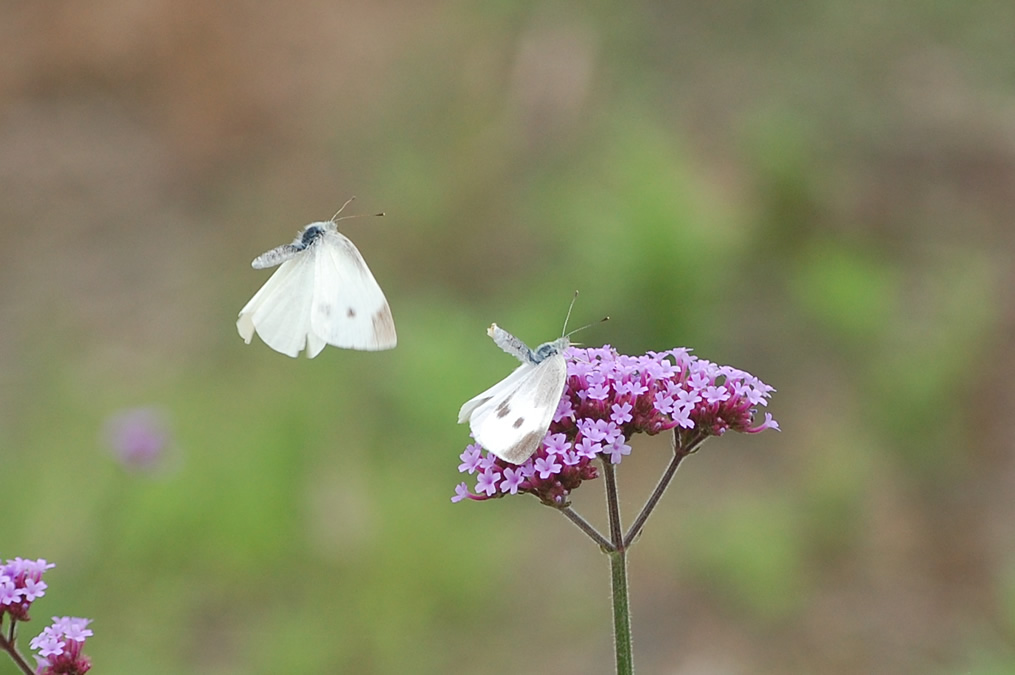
(511,418)
(322,294)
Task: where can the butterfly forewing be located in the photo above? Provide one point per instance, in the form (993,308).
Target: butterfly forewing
(349,308)
(511,418)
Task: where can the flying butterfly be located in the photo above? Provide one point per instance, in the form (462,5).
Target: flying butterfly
(323,293)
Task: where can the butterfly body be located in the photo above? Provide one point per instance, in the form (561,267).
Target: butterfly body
(322,293)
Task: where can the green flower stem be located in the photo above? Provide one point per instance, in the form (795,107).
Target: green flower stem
(621,613)
(618,543)
(587,528)
(618,577)
(7,645)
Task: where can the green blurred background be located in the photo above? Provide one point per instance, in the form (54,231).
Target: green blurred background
(817,192)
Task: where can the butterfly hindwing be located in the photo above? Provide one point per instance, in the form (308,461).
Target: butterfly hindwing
(280,310)
(500,390)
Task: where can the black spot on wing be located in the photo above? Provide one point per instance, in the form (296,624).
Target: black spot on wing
(504,409)
(350,313)
(519,422)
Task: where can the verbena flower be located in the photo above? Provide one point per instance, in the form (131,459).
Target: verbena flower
(609,397)
(139,437)
(20,585)
(59,647)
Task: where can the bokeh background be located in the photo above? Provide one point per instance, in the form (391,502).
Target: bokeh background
(818,192)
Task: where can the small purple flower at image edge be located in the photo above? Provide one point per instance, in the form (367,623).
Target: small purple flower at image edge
(59,645)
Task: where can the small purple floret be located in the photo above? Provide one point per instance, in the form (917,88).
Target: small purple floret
(513,478)
(470,458)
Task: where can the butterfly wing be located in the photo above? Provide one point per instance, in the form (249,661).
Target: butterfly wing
(500,390)
(349,309)
(511,418)
(280,311)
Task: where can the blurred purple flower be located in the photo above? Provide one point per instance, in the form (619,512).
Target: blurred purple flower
(139,437)
(609,397)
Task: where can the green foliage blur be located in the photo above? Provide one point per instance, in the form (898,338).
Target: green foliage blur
(818,193)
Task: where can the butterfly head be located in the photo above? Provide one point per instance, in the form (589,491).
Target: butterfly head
(548,349)
(309,235)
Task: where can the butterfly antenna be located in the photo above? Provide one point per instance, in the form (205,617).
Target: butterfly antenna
(347,202)
(335,217)
(566,318)
(564,332)
(605,318)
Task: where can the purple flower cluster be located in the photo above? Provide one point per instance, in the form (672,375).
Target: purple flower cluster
(60,645)
(20,584)
(609,397)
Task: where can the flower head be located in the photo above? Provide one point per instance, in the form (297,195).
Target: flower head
(609,397)
(20,585)
(139,437)
(59,647)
